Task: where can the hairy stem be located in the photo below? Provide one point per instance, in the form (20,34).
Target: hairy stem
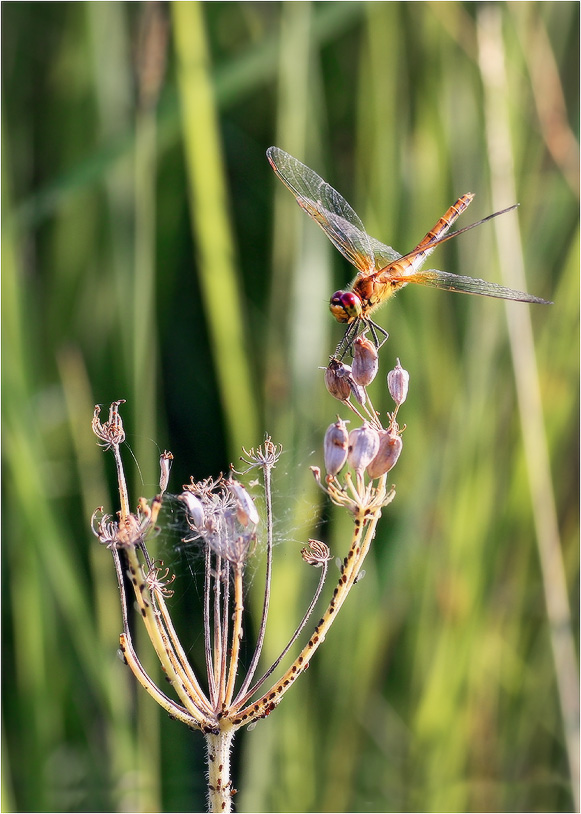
(218,748)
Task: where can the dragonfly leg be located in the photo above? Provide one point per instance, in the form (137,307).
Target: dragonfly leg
(379,334)
(348,338)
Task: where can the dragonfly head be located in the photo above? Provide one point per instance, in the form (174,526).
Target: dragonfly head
(345,306)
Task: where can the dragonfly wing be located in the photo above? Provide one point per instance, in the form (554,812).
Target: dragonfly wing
(384,255)
(468,285)
(327,207)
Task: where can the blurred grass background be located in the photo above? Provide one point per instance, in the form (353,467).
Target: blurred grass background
(150,254)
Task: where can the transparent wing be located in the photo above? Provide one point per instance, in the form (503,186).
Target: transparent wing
(330,210)
(468,285)
(384,255)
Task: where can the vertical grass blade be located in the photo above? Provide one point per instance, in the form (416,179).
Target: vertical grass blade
(223,303)
(501,161)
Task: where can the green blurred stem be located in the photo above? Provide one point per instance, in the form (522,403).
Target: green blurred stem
(144,313)
(222,300)
(495,82)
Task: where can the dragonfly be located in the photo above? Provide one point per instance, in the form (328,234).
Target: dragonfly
(381,271)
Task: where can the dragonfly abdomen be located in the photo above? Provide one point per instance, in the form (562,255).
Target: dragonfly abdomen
(442,226)
(410,263)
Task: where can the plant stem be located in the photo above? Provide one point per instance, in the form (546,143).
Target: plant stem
(218,747)
(236,634)
(267,583)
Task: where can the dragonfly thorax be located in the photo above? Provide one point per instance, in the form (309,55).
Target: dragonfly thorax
(346,306)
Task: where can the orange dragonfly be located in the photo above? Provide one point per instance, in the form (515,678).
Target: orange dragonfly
(381,271)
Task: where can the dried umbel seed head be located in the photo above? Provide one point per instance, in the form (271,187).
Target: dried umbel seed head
(317,554)
(397,383)
(265,456)
(223,514)
(363,446)
(111,433)
(126,532)
(365,361)
(390,446)
(194,508)
(335,447)
(157,581)
(337,378)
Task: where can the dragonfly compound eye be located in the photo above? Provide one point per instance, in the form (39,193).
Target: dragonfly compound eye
(345,306)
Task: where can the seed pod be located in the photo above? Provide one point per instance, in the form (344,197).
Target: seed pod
(358,391)
(337,377)
(365,361)
(397,383)
(165,462)
(246,511)
(335,447)
(390,446)
(363,446)
(194,508)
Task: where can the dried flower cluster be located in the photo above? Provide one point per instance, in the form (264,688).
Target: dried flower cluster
(369,451)
(222,515)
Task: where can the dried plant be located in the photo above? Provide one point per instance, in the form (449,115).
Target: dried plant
(221,514)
